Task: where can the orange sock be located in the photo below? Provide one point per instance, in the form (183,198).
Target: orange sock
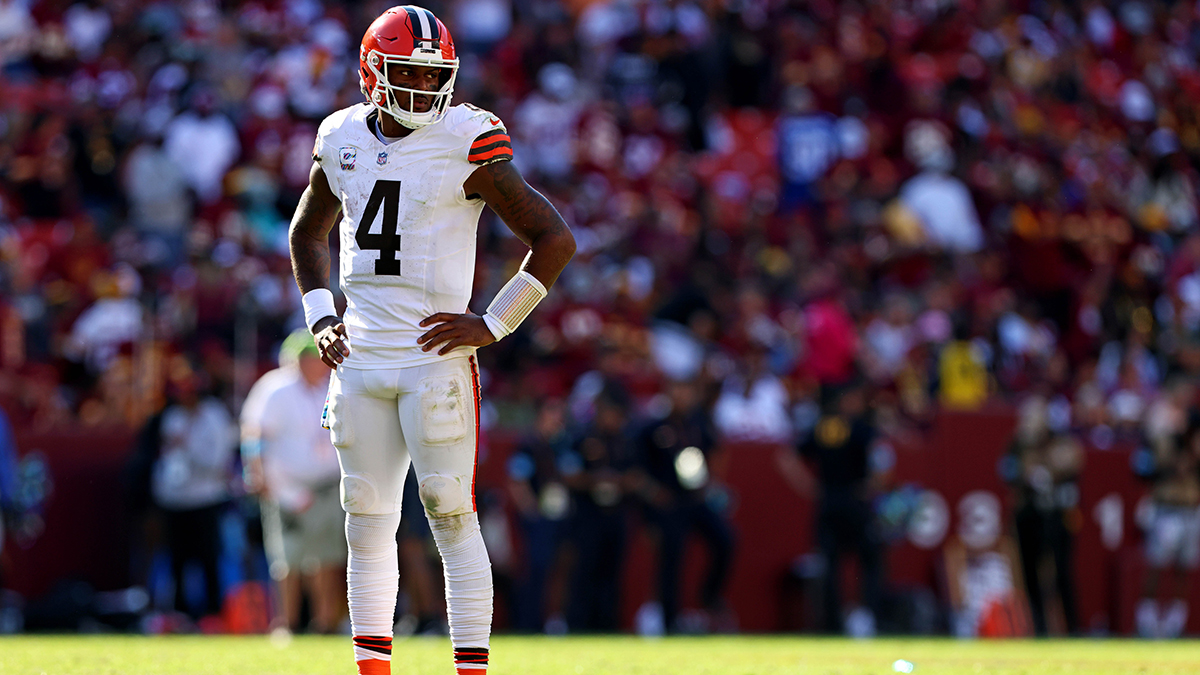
(374,667)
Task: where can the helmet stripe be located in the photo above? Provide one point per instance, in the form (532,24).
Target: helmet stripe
(414,22)
(423,16)
(433,26)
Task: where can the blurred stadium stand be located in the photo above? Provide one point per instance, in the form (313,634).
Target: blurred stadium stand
(966,205)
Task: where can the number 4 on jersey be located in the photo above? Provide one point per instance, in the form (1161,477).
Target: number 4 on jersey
(387,242)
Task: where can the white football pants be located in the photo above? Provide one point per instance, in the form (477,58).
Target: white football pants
(379,420)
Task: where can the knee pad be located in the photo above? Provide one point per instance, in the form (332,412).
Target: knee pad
(442,495)
(359,494)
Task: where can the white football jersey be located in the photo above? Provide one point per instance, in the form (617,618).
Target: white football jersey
(407,229)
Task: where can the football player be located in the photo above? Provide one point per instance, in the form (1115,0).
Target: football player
(410,174)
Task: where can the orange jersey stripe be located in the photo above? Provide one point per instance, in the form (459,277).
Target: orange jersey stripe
(475,468)
(493,134)
(488,140)
(490,154)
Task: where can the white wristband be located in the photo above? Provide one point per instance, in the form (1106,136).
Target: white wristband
(498,329)
(513,303)
(318,304)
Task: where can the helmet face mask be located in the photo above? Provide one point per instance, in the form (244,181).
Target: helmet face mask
(407,36)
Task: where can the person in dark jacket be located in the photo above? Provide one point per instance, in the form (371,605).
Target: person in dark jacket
(596,474)
(842,448)
(673,479)
(543,507)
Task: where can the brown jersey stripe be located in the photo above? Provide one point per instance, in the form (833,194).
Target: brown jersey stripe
(505,152)
(503,143)
(505,157)
(484,142)
(492,145)
(484,149)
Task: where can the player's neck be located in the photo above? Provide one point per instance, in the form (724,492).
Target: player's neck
(389,127)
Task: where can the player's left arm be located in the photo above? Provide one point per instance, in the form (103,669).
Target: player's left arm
(535,221)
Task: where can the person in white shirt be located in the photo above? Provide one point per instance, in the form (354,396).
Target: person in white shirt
(753,405)
(190,483)
(203,144)
(941,201)
(291,465)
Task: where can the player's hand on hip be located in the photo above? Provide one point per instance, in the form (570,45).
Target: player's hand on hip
(330,335)
(454,330)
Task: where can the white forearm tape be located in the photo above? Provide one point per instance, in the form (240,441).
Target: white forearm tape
(513,303)
(318,304)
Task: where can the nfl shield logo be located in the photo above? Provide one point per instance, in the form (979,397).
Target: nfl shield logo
(347,155)
(381,159)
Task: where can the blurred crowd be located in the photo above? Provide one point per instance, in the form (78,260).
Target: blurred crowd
(946,202)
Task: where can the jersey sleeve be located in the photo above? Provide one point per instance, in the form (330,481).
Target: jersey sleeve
(490,141)
(326,155)
(491,146)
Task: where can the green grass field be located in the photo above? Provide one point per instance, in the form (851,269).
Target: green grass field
(97,655)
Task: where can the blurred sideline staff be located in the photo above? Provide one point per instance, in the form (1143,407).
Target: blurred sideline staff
(672,476)
(1046,464)
(190,480)
(1173,532)
(290,464)
(850,467)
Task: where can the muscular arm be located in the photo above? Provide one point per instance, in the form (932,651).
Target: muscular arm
(308,241)
(529,215)
(534,220)
(308,236)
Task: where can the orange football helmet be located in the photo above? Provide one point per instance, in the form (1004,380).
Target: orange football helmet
(407,35)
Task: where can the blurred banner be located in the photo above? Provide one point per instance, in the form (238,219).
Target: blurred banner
(946,485)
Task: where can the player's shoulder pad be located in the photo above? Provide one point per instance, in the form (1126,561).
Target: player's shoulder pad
(336,122)
(489,141)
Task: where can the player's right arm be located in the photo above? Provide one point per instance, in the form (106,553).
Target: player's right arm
(308,242)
